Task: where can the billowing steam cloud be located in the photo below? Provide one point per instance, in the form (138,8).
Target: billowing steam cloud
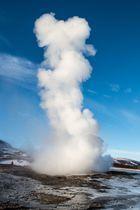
(74,146)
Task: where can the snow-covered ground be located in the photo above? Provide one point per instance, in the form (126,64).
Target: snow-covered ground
(16,162)
(128,170)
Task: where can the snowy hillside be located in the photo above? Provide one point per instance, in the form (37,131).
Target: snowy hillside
(126,163)
(10,155)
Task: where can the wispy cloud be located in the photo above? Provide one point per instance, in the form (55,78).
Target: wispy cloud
(5,41)
(17,70)
(136,100)
(102,109)
(130,116)
(106,96)
(115,87)
(128,90)
(92,91)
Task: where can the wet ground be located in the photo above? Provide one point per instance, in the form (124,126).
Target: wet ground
(22,188)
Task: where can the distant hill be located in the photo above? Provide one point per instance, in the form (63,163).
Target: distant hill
(11,155)
(126,163)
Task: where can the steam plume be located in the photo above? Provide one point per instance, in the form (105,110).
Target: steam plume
(74,146)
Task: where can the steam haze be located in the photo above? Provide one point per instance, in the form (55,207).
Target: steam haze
(73,145)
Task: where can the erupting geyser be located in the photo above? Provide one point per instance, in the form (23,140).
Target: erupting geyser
(74,147)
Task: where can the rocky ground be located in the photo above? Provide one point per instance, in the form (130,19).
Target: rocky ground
(22,188)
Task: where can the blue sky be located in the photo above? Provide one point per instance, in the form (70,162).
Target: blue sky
(112,92)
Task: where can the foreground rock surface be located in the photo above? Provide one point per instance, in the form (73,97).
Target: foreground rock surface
(22,188)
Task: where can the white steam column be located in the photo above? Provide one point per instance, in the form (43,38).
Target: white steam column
(74,147)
